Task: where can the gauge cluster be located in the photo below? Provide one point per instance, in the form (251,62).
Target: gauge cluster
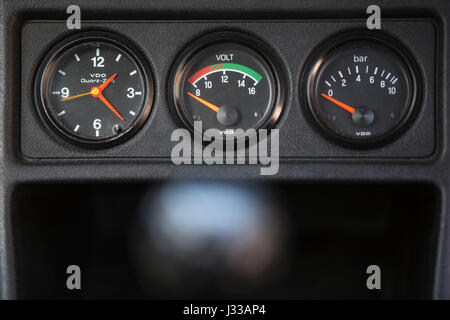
(120,93)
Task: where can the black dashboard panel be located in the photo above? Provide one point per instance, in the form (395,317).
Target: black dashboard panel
(344,207)
(292,52)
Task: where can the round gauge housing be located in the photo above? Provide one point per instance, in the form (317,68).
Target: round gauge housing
(227,81)
(362,90)
(94,89)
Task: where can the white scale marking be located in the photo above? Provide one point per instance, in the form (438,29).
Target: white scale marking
(133,72)
(376,70)
(61,72)
(76,128)
(61,113)
(328,83)
(97,52)
(357,69)
(77,57)
(392,79)
(333,78)
(387,77)
(349,72)
(382,74)
(132,113)
(367,69)
(97,133)
(395,81)
(138,93)
(340,74)
(56,92)
(118,57)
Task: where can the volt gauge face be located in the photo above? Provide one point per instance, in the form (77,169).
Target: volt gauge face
(362,91)
(94,89)
(224,82)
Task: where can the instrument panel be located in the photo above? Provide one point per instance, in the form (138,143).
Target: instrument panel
(114,93)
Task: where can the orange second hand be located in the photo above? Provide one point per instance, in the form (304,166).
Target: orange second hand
(77,96)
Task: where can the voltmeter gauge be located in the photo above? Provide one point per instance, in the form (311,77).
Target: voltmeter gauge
(362,89)
(94,89)
(227,81)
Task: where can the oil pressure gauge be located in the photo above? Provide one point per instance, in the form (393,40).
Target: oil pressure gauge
(94,89)
(362,90)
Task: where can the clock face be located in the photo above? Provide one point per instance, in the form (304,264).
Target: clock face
(94,90)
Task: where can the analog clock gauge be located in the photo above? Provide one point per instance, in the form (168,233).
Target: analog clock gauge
(94,89)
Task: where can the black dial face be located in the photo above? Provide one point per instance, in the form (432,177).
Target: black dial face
(94,90)
(362,91)
(227,86)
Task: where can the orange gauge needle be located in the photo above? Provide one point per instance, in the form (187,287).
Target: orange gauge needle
(106,102)
(206,103)
(77,96)
(340,104)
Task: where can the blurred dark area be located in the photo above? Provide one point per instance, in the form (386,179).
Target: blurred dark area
(212,240)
